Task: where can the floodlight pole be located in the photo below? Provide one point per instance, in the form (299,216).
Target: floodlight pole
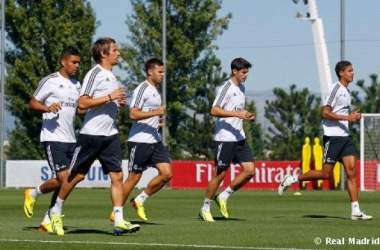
(342,30)
(320,49)
(325,80)
(2,111)
(342,58)
(164,127)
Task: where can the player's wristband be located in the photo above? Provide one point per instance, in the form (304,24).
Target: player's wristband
(110,97)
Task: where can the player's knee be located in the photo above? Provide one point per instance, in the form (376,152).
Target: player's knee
(116,177)
(167,176)
(250,173)
(326,175)
(135,178)
(58,183)
(351,173)
(80,177)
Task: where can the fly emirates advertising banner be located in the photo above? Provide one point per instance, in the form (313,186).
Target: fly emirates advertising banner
(186,175)
(197,174)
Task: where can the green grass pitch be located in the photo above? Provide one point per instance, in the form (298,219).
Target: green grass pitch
(259,220)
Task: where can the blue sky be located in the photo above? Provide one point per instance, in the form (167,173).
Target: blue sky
(280,46)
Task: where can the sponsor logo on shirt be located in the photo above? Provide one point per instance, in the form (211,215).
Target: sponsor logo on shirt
(70,104)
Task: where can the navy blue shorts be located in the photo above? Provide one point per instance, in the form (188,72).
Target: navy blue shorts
(58,155)
(337,147)
(144,155)
(91,147)
(236,152)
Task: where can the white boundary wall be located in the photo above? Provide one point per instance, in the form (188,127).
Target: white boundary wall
(33,173)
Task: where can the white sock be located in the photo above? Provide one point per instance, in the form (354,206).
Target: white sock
(118,212)
(294,179)
(35,193)
(46,218)
(57,209)
(226,193)
(141,197)
(206,205)
(355,207)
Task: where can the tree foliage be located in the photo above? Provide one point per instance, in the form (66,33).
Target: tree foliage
(37,31)
(370,103)
(293,116)
(192,70)
(254,134)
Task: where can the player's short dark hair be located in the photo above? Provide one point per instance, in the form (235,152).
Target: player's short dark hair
(151,63)
(69,51)
(240,63)
(341,66)
(101,45)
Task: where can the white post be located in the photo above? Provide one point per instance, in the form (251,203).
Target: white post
(2,111)
(342,30)
(320,49)
(164,127)
(362,153)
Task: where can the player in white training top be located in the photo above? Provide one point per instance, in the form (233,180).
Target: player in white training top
(101,95)
(229,137)
(337,142)
(57,97)
(144,143)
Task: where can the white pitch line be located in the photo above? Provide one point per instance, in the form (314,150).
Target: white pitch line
(148,244)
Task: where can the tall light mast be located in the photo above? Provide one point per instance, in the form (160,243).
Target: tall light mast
(320,45)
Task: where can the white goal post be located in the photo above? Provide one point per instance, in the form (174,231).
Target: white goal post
(370,152)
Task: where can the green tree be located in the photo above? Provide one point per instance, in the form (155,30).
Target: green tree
(200,128)
(37,32)
(124,124)
(370,103)
(254,134)
(294,116)
(192,70)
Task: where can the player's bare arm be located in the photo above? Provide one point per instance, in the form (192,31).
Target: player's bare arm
(81,111)
(138,114)
(243,114)
(36,105)
(328,114)
(86,102)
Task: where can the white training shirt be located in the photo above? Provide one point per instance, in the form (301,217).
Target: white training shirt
(56,88)
(339,98)
(229,97)
(100,120)
(146,98)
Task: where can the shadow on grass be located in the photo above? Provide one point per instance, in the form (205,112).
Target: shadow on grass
(224,219)
(145,223)
(36,228)
(318,216)
(88,231)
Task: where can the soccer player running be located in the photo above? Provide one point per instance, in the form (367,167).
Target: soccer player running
(144,143)
(230,142)
(338,144)
(101,95)
(57,96)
